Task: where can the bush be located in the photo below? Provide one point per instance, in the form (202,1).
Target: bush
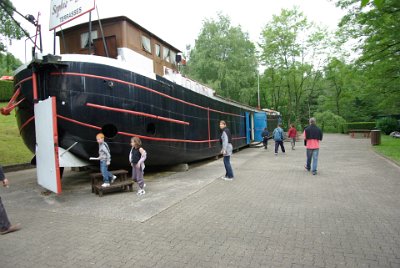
(387,124)
(330,122)
(6,90)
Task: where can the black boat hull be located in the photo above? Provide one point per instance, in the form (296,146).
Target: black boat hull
(176,124)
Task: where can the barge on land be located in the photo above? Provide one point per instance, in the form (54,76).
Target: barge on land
(124,83)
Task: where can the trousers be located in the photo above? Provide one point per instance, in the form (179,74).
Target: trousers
(4,222)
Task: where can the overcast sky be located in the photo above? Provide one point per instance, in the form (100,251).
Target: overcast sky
(179,22)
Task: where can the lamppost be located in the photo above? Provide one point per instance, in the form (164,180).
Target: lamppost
(258,90)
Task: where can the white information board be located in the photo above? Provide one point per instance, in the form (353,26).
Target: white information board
(47,166)
(63,11)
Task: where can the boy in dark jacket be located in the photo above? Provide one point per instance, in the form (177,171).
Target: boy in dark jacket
(265,136)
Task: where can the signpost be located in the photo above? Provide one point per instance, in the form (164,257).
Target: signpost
(63,11)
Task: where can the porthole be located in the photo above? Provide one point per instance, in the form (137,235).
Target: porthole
(109,130)
(151,129)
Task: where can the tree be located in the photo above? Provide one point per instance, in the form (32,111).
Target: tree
(224,58)
(338,77)
(378,44)
(8,27)
(377,3)
(291,49)
(8,63)
(329,121)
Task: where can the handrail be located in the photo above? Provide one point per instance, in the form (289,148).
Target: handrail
(12,104)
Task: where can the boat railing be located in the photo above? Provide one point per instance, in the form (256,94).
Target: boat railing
(178,78)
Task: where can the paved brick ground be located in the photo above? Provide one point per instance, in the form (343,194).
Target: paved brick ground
(275,214)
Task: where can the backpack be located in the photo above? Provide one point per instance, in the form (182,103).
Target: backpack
(108,148)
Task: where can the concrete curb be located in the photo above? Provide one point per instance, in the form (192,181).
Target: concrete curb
(386,157)
(17,167)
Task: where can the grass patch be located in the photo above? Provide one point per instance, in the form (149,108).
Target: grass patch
(12,148)
(389,147)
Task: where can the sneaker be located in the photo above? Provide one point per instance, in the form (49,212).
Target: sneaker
(314,172)
(141,192)
(113,178)
(222,177)
(105,184)
(276,154)
(228,179)
(305,166)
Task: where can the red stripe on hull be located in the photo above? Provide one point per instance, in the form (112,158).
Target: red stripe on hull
(141,136)
(137,113)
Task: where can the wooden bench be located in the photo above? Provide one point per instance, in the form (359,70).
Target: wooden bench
(116,186)
(121,183)
(359,133)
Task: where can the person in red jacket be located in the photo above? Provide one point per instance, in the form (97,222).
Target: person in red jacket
(292,134)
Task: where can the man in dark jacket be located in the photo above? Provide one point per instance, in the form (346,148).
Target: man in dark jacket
(312,136)
(5,225)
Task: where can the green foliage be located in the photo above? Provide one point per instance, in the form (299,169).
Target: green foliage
(345,92)
(377,3)
(387,124)
(378,46)
(290,47)
(389,147)
(8,28)
(6,90)
(8,63)
(302,77)
(359,125)
(12,148)
(224,58)
(330,122)
(338,86)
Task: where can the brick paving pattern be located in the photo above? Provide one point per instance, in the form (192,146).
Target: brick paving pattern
(274,214)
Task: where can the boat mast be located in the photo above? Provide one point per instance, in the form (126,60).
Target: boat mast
(90,33)
(102,33)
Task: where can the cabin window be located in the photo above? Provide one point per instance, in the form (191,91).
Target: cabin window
(158,50)
(173,57)
(146,43)
(85,39)
(166,54)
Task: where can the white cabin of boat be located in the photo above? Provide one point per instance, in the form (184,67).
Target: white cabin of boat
(125,39)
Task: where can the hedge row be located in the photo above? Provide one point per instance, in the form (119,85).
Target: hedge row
(6,90)
(359,125)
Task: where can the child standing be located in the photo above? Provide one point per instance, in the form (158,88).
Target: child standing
(137,156)
(105,160)
(227,148)
(292,133)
